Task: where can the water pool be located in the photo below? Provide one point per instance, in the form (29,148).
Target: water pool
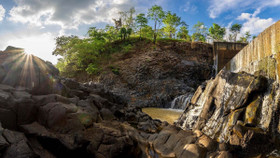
(168,115)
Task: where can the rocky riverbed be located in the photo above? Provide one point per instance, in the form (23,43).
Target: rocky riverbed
(96,123)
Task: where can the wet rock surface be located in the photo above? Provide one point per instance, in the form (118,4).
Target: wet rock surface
(239,109)
(89,126)
(57,126)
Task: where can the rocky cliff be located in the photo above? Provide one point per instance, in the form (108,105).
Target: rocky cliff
(92,123)
(21,70)
(240,106)
(70,119)
(154,75)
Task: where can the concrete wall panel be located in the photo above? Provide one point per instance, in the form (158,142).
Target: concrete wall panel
(261,55)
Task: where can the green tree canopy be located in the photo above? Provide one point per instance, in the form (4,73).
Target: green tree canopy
(111,33)
(198,37)
(254,37)
(200,32)
(156,14)
(127,18)
(184,33)
(123,33)
(245,38)
(171,22)
(141,21)
(235,30)
(217,32)
(148,32)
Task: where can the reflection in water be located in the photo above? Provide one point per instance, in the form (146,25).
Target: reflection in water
(169,115)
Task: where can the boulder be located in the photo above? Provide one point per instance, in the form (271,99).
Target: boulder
(8,118)
(3,143)
(224,154)
(194,151)
(26,111)
(106,114)
(207,142)
(40,78)
(14,137)
(111,139)
(36,129)
(19,150)
(6,88)
(4,96)
(2,73)
(21,95)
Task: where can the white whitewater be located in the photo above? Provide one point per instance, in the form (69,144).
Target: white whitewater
(181,101)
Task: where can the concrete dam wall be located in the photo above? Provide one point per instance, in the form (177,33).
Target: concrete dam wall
(224,52)
(261,56)
(240,106)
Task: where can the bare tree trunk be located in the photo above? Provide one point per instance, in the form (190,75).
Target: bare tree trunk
(140,33)
(155,32)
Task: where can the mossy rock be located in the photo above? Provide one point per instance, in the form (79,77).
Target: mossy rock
(251,114)
(267,67)
(85,119)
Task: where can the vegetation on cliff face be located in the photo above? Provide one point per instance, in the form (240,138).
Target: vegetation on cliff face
(88,54)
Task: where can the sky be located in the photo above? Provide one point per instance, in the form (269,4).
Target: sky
(34,24)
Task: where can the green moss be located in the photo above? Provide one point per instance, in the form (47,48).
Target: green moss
(115,69)
(85,119)
(267,66)
(251,112)
(232,119)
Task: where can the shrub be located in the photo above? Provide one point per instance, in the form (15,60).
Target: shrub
(92,69)
(115,70)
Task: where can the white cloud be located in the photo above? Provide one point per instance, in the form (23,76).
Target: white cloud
(270,3)
(217,7)
(226,37)
(68,14)
(253,23)
(33,40)
(40,45)
(189,8)
(2,12)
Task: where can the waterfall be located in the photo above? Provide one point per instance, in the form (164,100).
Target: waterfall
(181,101)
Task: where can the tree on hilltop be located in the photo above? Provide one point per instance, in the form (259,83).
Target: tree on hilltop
(184,33)
(156,14)
(245,38)
(200,32)
(171,22)
(217,32)
(142,21)
(235,30)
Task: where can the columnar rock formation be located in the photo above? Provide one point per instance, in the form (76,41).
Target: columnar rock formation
(22,70)
(155,75)
(241,105)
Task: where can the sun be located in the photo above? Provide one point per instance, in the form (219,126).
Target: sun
(29,51)
(41,45)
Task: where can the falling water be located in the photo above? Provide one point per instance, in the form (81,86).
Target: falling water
(181,101)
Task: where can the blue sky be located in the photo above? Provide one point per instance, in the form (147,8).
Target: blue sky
(34,24)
